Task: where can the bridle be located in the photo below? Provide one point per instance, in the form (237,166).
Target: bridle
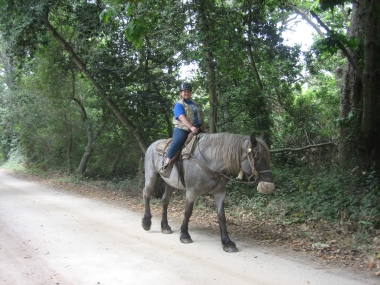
(251,158)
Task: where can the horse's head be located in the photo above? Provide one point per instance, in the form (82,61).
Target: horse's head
(259,164)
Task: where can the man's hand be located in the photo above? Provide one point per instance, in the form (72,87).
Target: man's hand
(186,122)
(195,130)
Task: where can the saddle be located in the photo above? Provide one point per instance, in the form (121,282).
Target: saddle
(163,147)
(187,149)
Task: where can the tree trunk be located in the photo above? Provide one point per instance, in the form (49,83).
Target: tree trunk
(169,123)
(69,153)
(85,159)
(90,139)
(6,65)
(359,101)
(254,68)
(249,49)
(210,63)
(370,72)
(117,160)
(88,150)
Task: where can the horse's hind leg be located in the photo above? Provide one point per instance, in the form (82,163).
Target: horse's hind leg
(185,236)
(228,245)
(165,228)
(149,187)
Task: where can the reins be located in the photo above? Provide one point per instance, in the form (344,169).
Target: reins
(205,168)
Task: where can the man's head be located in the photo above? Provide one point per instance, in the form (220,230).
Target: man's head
(185,90)
(185,86)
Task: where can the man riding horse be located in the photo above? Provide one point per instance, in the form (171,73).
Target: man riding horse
(188,117)
(206,170)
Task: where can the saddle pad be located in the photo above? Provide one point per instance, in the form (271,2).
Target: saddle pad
(163,147)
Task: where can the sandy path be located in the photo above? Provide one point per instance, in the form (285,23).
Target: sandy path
(50,236)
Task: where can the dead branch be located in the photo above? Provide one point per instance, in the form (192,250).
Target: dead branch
(301,148)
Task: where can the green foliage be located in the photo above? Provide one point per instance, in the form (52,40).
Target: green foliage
(135,30)
(310,118)
(320,192)
(330,43)
(106,15)
(6,145)
(330,4)
(15,158)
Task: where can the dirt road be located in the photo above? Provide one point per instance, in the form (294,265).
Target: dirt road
(50,236)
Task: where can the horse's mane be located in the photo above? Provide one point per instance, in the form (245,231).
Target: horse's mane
(230,148)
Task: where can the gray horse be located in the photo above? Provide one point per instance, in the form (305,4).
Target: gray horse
(214,159)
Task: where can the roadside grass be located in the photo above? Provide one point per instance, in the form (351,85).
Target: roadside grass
(347,202)
(10,165)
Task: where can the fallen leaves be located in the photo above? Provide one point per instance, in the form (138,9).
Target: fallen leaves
(319,245)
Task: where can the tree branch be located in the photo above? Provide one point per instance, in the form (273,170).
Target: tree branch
(84,113)
(229,120)
(309,21)
(290,20)
(340,45)
(301,148)
(254,66)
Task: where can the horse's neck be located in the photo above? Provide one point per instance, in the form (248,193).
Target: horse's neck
(206,152)
(212,155)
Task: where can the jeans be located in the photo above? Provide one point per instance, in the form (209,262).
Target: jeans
(179,138)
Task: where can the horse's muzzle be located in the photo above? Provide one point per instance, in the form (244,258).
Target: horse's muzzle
(265,187)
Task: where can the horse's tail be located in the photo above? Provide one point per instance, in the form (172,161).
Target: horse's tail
(150,170)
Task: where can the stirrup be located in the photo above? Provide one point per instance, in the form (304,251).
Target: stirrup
(164,170)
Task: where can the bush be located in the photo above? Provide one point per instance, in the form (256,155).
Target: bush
(320,192)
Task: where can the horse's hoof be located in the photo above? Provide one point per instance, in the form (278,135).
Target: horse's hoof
(230,248)
(145,227)
(146,224)
(167,231)
(186,240)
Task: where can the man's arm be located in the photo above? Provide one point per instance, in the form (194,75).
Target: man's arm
(186,122)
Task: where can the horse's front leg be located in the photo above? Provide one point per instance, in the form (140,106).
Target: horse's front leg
(185,236)
(228,245)
(165,228)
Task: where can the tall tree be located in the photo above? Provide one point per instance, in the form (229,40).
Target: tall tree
(205,37)
(359,100)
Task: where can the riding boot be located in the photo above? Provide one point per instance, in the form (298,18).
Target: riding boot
(165,170)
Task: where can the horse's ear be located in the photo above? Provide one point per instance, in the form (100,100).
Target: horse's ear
(263,136)
(253,140)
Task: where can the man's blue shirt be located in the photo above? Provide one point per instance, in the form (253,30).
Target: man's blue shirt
(178,110)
